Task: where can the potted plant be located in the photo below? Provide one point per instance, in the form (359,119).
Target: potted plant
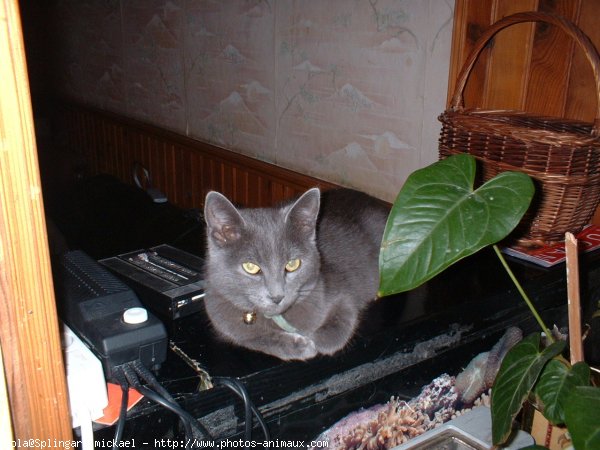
(439,218)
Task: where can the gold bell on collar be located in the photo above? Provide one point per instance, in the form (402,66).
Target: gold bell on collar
(249,317)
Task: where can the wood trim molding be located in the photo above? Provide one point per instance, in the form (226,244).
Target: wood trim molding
(29,333)
(183,168)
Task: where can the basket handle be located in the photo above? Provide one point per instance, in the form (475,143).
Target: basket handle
(568,27)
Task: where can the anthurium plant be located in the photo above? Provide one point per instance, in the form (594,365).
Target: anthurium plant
(438,218)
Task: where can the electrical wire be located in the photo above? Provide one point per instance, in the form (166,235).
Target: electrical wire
(238,387)
(187,420)
(149,378)
(233,384)
(156,398)
(123,410)
(86,429)
(243,394)
(128,375)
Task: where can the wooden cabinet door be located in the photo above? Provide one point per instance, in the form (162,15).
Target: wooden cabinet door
(29,334)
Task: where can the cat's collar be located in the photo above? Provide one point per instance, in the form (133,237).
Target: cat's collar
(283,324)
(250,317)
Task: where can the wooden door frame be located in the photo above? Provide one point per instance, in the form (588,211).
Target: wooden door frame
(29,332)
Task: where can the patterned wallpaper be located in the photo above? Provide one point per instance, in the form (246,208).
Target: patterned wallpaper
(346,90)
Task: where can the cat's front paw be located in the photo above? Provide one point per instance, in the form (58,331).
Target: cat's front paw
(302,347)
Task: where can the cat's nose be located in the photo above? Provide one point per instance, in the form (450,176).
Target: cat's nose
(276,299)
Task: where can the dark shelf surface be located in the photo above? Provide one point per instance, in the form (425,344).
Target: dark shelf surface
(404,341)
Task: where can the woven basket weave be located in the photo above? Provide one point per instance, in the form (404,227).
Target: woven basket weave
(561,155)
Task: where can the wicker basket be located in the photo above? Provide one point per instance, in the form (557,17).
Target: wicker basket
(561,155)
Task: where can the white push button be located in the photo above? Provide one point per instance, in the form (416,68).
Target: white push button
(135,315)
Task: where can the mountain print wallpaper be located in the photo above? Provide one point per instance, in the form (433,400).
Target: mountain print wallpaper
(345,90)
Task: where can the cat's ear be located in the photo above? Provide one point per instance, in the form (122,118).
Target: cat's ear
(303,213)
(224,221)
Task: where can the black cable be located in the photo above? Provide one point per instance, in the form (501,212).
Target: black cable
(151,395)
(238,387)
(161,396)
(253,408)
(243,394)
(149,378)
(123,410)
(187,419)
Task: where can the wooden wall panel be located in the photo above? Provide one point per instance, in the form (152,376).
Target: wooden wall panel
(539,71)
(550,63)
(184,169)
(471,18)
(507,71)
(582,96)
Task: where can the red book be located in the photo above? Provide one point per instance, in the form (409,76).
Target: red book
(588,239)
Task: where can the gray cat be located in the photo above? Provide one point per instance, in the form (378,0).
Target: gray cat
(292,281)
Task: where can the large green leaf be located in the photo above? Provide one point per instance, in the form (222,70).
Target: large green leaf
(582,416)
(518,373)
(555,385)
(438,218)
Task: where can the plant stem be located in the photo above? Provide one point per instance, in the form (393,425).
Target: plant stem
(523,294)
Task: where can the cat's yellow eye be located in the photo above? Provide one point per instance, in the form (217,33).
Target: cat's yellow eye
(292,265)
(251,268)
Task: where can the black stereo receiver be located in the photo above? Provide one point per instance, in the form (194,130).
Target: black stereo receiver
(167,280)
